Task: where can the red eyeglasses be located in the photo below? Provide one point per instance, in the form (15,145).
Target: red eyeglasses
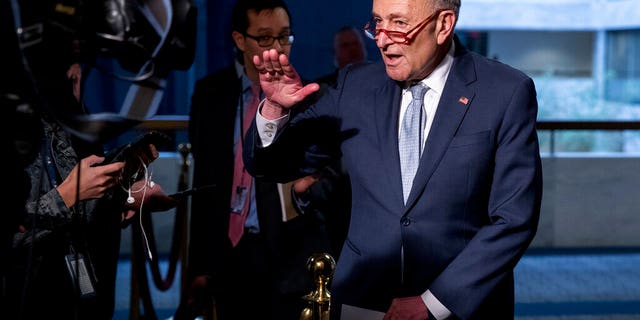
(399,37)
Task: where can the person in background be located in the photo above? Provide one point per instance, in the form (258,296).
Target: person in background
(74,212)
(74,74)
(258,273)
(441,148)
(348,47)
(65,245)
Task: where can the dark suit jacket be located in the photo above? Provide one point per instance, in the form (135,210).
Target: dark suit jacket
(475,202)
(211,132)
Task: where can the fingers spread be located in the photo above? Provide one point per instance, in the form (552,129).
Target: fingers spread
(272,62)
(284,63)
(259,65)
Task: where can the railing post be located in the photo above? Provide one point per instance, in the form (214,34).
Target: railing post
(320,267)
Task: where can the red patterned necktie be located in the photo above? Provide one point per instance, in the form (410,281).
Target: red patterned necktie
(242,180)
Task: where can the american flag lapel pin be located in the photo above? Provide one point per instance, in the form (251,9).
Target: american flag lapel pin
(463,100)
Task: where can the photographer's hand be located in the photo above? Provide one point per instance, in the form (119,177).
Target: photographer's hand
(86,181)
(151,199)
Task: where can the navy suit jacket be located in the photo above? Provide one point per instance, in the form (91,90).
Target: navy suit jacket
(475,202)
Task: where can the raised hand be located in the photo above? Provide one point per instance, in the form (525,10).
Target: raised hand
(281,84)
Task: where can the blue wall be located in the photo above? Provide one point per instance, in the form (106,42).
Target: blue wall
(314,24)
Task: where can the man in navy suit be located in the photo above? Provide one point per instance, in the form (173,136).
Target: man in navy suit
(446,247)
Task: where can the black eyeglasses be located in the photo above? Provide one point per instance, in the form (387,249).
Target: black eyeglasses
(399,37)
(267,41)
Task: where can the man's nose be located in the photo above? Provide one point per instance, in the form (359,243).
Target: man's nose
(382,40)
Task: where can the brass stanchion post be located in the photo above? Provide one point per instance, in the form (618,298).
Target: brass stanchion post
(320,267)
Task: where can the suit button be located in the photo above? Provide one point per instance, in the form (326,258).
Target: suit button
(405,221)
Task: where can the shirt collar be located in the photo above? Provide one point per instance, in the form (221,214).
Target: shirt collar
(436,80)
(246,83)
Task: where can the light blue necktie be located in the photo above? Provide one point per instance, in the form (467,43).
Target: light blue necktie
(410,140)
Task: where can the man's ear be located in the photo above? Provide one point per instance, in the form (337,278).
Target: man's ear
(238,38)
(445,24)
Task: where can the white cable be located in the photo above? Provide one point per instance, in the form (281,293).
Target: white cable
(130,199)
(144,234)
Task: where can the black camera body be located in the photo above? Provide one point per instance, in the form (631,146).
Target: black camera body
(42,38)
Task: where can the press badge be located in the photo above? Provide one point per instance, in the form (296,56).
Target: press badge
(81,278)
(238,200)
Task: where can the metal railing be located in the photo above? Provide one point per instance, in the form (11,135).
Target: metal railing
(181,122)
(564,125)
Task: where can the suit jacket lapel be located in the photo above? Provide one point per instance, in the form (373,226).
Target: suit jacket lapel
(454,103)
(387,108)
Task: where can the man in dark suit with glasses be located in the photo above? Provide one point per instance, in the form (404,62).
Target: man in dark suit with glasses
(441,147)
